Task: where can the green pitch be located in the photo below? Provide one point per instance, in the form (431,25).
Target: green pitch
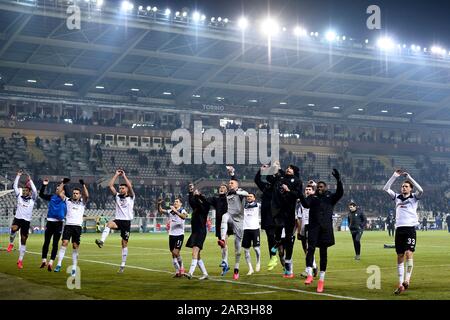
(149,271)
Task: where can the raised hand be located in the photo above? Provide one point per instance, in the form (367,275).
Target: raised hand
(45,182)
(230,170)
(336,174)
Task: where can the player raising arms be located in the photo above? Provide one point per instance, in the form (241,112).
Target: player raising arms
(177,215)
(124,200)
(26,198)
(219,203)
(72,228)
(267,223)
(57,210)
(406,221)
(200,207)
(320,227)
(234,219)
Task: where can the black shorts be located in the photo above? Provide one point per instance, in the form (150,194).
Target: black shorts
(320,236)
(405,239)
(249,237)
(196,240)
(72,232)
(124,226)
(176,242)
(23,225)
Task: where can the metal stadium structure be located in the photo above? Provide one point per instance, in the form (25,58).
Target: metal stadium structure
(148,61)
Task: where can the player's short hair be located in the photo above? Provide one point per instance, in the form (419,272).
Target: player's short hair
(76,189)
(123,185)
(410,183)
(179,199)
(322,182)
(251,193)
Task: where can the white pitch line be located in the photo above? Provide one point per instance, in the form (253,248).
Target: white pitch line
(261,292)
(116,246)
(223,280)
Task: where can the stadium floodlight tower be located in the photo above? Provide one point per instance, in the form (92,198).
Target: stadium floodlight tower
(385,43)
(126,6)
(270,27)
(242,23)
(330,36)
(300,32)
(196,17)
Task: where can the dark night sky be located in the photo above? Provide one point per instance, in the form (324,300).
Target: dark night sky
(409,21)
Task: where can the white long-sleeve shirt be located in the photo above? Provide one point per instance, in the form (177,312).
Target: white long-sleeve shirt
(405,207)
(25,205)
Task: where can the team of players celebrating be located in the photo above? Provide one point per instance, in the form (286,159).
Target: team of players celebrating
(285,209)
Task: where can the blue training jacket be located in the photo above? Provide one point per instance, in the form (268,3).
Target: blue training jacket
(57,208)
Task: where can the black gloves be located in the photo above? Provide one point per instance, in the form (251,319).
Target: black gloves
(336,175)
(66,180)
(82,182)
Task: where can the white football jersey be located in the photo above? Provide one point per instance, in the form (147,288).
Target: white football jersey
(75,212)
(176,223)
(406,211)
(24,208)
(124,207)
(303,214)
(251,217)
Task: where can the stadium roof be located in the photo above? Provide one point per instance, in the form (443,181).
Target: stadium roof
(168,63)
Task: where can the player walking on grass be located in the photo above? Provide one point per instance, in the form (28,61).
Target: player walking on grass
(320,228)
(124,200)
(406,221)
(26,198)
(357,221)
(251,232)
(234,219)
(57,210)
(72,228)
(200,207)
(177,215)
